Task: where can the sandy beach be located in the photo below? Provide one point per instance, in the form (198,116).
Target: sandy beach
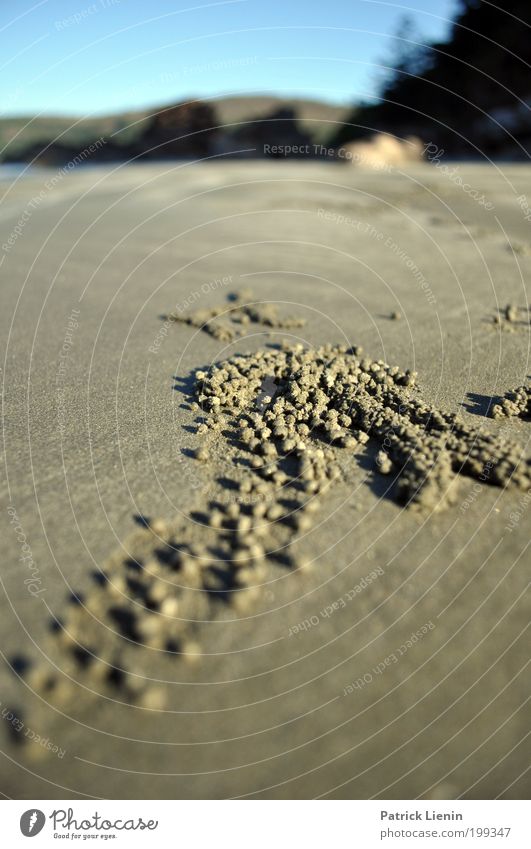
(396,666)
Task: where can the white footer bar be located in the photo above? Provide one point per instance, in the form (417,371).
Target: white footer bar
(266,824)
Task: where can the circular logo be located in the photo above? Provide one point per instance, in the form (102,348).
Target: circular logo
(31,822)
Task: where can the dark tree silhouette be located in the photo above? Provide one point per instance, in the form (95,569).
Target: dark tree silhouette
(470,95)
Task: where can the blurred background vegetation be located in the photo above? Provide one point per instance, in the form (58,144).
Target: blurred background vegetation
(469,95)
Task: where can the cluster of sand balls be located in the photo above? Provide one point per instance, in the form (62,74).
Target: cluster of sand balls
(510,316)
(288,414)
(146,599)
(334,396)
(236,318)
(516,403)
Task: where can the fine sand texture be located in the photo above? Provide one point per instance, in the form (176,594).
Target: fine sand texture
(265,512)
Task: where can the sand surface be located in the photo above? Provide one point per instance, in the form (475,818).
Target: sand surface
(97,431)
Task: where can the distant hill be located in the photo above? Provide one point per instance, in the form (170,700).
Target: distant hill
(19,134)
(315,117)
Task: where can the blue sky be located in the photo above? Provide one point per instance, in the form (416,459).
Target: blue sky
(82,57)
